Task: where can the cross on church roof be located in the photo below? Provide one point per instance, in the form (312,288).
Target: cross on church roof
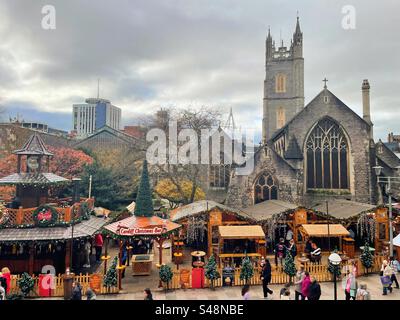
(325,81)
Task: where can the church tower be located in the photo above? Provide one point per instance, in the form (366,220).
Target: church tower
(283,84)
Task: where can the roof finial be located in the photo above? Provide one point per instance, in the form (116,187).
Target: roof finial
(325,81)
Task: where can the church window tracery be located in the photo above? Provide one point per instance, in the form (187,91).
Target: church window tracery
(265,188)
(280,85)
(327,154)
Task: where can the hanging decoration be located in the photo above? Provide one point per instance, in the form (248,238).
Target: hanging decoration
(273,224)
(196,230)
(366,227)
(45,215)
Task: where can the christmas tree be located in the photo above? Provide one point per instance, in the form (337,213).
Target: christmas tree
(26,284)
(111,277)
(366,257)
(289,267)
(211,271)
(144,202)
(166,274)
(246,270)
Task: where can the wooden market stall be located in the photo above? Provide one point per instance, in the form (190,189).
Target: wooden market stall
(201,221)
(146,227)
(324,231)
(366,221)
(236,242)
(279,217)
(36,230)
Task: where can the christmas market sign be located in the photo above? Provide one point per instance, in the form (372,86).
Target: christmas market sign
(45,215)
(137,231)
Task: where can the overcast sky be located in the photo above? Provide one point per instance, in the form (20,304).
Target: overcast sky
(185,52)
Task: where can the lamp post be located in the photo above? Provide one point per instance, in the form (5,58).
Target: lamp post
(335,260)
(388,182)
(327,220)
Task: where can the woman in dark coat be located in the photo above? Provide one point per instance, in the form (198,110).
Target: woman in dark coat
(266,278)
(315,290)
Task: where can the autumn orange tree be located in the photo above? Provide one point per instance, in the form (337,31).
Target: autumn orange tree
(67,162)
(178,192)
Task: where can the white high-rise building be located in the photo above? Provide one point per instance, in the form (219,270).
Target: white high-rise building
(93,115)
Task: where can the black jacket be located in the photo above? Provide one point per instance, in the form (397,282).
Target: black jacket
(266,273)
(77,293)
(315,291)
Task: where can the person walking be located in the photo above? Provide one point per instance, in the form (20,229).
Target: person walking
(98,245)
(394,264)
(90,295)
(280,252)
(2,293)
(386,274)
(300,274)
(362,293)
(246,292)
(147,294)
(76,291)
(292,248)
(285,291)
(314,290)
(266,278)
(305,285)
(350,286)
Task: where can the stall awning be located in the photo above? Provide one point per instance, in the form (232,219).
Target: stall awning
(321,230)
(241,232)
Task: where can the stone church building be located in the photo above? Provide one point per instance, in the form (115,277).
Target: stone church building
(310,153)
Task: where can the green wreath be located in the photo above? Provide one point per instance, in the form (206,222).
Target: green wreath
(44,210)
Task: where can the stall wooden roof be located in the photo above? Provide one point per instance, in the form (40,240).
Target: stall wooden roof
(202,206)
(321,230)
(241,232)
(265,210)
(344,209)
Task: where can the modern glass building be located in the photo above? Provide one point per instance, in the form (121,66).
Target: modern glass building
(94,114)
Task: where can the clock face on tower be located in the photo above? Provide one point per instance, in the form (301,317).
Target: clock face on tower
(33,163)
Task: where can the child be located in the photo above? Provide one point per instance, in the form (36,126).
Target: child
(286,295)
(284,290)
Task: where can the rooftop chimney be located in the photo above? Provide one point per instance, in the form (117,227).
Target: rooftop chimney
(365,100)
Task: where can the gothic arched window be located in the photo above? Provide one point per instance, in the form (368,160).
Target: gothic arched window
(280,118)
(280,83)
(265,188)
(327,154)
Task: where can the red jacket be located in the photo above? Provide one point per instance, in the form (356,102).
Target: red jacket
(98,240)
(305,286)
(7,276)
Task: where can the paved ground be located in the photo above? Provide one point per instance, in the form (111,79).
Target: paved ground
(133,288)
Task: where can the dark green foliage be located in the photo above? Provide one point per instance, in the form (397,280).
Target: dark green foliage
(166,274)
(111,276)
(211,271)
(144,201)
(26,284)
(289,266)
(366,257)
(246,270)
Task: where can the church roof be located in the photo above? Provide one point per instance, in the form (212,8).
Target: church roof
(293,150)
(387,156)
(34,146)
(323,93)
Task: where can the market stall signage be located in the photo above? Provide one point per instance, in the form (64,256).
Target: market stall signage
(137,231)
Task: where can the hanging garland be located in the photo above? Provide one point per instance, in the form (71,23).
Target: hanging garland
(273,223)
(45,215)
(196,229)
(366,227)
